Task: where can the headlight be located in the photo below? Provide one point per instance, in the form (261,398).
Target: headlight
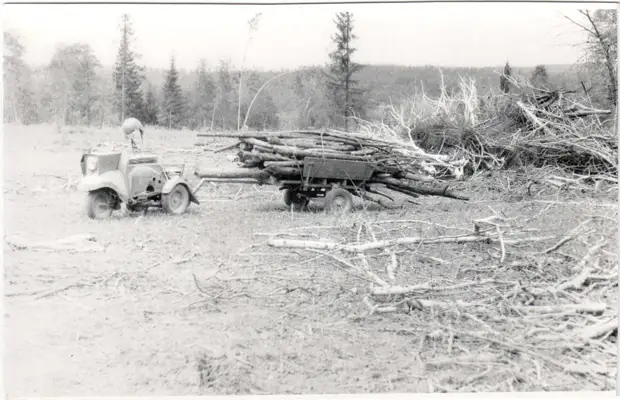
(91,164)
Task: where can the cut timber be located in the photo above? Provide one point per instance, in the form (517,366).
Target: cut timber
(284,163)
(333,157)
(378,200)
(263,156)
(288,172)
(296,152)
(232,173)
(249,135)
(418,177)
(419,188)
(232,146)
(405,241)
(302,244)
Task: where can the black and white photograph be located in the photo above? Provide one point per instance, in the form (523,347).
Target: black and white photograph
(314,198)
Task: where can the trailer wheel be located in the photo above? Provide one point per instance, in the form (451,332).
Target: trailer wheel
(294,198)
(339,201)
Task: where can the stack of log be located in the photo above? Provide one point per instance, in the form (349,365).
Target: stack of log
(399,166)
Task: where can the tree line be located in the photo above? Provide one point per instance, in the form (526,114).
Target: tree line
(75,89)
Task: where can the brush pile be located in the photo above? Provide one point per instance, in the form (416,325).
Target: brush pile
(546,128)
(270,157)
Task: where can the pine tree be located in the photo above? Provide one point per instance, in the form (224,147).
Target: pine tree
(345,94)
(151,108)
(504,82)
(173,107)
(128,76)
(202,99)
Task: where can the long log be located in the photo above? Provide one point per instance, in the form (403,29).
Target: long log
(295,152)
(350,248)
(247,135)
(311,144)
(284,163)
(418,188)
(232,146)
(280,135)
(288,172)
(349,137)
(376,199)
(345,137)
(232,173)
(403,191)
(417,177)
(264,156)
(258,142)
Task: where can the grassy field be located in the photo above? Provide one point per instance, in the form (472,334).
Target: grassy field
(200,304)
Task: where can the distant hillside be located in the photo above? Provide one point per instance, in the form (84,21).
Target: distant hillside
(383,79)
(385,83)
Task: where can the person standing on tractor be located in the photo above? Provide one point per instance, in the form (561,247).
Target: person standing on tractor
(131,127)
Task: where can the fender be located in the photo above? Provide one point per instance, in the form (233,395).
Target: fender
(173,182)
(112,180)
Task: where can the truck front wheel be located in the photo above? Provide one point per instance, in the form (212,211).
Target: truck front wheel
(101,203)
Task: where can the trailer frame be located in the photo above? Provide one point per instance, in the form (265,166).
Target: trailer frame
(335,180)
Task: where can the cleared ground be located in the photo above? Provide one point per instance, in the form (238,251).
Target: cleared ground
(131,320)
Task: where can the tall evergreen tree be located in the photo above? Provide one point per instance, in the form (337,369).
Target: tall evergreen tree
(202,99)
(173,107)
(151,107)
(345,94)
(128,76)
(504,81)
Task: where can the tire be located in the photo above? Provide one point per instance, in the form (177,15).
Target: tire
(177,201)
(339,201)
(299,203)
(100,204)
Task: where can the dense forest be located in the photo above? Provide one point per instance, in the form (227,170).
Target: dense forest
(75,89)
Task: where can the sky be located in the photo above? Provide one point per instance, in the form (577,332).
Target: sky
(443,34)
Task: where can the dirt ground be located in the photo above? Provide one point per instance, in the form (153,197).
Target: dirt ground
(131,320)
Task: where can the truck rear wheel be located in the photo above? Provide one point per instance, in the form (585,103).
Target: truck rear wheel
(339,201)
(177,201)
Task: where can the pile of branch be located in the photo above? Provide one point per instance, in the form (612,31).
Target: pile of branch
(537,314)
(398,165)
(543,129)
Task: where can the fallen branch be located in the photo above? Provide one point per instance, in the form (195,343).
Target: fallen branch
(77,243)
(596,331)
